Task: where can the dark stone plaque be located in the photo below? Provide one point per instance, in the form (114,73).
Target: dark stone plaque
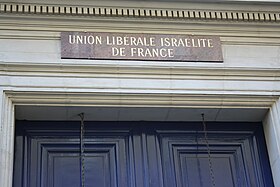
(163,47)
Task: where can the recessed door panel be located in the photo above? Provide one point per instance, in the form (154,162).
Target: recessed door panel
(187,159)
(61,166)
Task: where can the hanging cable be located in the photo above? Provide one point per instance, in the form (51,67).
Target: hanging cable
(82,150)
(208,151)
(197,160)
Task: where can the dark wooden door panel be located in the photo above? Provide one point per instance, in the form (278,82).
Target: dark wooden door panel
(62,167)
(138,154)
(195,170)
(50,158)
(146,159)
(185,158)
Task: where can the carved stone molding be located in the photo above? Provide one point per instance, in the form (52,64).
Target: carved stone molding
(174,14)
(148,72)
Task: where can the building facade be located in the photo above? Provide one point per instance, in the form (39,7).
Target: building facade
(42,92)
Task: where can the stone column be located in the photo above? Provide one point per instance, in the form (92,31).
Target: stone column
(272,135)
(6,140)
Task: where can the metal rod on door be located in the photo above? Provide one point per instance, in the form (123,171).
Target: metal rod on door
(82,151)
(213,182)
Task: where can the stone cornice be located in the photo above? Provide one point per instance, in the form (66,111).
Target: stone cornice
(96,99)
(138,72)
(151,13)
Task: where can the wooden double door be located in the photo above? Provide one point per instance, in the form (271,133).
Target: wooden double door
(140,154)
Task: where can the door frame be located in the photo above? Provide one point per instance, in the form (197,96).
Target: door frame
(271,122)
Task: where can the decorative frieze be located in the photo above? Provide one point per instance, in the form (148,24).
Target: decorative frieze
(203,15)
